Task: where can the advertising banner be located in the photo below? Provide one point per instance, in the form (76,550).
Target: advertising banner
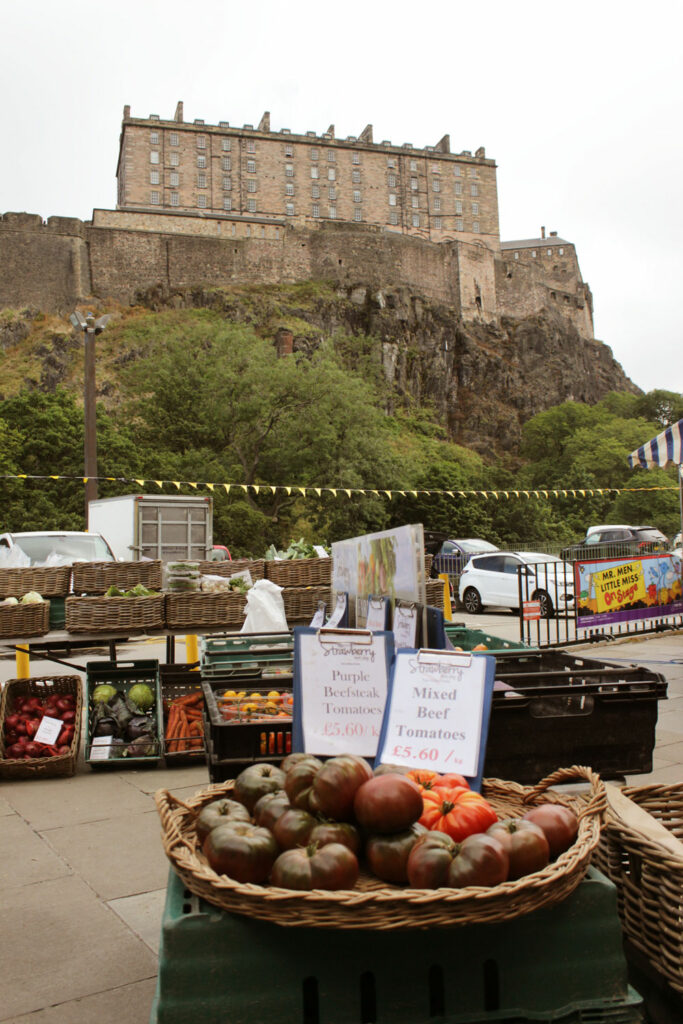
(627,589)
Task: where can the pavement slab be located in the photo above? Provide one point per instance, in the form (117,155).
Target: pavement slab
(5,808)
(69,801)
(127,1004)
(172,779)
(65,945)
(37,863)
(143,915)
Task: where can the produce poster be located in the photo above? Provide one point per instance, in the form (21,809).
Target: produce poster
(340,690)
(389,564)
(627,589)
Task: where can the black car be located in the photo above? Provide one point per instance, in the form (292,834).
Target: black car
(617,542)
(452,555)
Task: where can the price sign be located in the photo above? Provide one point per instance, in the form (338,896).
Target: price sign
(319,617)
(340,689)
(405,625)
(437,712)
(339,612)
(48,731)
(378,609)
(101,747)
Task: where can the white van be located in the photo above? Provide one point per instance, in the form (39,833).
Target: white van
(59,547)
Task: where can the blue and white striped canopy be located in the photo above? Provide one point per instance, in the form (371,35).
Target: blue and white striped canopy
(663,449)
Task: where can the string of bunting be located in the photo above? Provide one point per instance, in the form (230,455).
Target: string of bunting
(295,489)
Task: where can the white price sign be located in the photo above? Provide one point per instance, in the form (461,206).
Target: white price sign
(435,713)
(48,731)
(101,748)
(405,625)
(339,611)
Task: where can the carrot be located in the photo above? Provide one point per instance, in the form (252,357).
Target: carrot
(194,699)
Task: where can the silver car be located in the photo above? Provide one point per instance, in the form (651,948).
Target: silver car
(496,579)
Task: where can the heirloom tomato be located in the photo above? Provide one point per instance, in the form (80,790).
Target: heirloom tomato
(243,851)
(292,759)
(293,828)
(525,844)
(299,782)
(429,860)
(343,832)
(387,855)
(457,811)
(256,780)
(269,807)
(559,823)
(310,867)
(454,779)
(335,786)
(218,813)
(391,769)
(424,777)
(387,803)
(478,860)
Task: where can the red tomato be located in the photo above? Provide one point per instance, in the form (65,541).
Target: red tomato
(218,812)
(387,803)
(457,811)
(243,851)
(425,778)
(429,861)
(453,779)
(336,832)
(388,856)
(335,785)
(559,823)
(299,782)
(254,781)
(479,860)
(293,828)
(329,867)
(524,843)
(269,807)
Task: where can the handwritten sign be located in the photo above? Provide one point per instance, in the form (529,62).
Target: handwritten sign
(405,625)
(378,610)
(319,617)
(619,585)
(437,712)
(48,731)
(340,689)
(339,612)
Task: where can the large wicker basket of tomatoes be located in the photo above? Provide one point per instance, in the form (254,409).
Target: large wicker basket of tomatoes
(336,845)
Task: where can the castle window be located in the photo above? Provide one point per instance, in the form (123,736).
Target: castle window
(175,199)
(437,206)
(356,196)
(201,181)
(472,172)
(393,217)
(174,159)
(173,138)
(174,179)
(251,205)
(561,252)
(459,226)
(475,209)
(516,255)
(251,146)
(391,162)
(413,184)
(248,231)
(227,203)
(227,184)
(331,156)
(289,190)
(331,174)
(201,161)
(550,251)
(315,210)
(315,191)
(154,138)
(315,173)
(413,165)
(355,158)
(314,154)
(263,232)
(289,170)
(391,180)
(201,201)
(226,145)
(392,199)
(277,234)
(533,252)
(458,188)
(251,185)
(289,209)
(457,171)
(154,156)
(415,202)
(226,163)
(475,226)
(332,194)
(154,177)
(436,185)
(416,220)
(435,169)
(251,167)
(474,190)
(155,198)
(289,150)
(355,177)
(357,213)
(201,142)
(332,212)
(437,223)
(458,206)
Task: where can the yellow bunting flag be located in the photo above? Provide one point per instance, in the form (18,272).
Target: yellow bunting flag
(256,488)
(159,483)
(177,483)
(141,482)
(227,488)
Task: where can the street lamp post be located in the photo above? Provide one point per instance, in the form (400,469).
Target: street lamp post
(90,327)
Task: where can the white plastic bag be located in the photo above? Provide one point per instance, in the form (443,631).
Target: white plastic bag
(265,611)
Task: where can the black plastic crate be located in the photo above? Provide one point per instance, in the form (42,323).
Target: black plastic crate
(551,709)
(123,675)
(251,734)
(178,681)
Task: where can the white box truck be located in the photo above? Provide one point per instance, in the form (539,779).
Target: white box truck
(169,527)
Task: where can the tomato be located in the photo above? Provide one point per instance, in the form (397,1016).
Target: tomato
(269,807)
(243,851)
(391,769)
(343,832)
(453,779)
(387,803)
(293,828)
(309,867)
(217,813)
(559,823)
(387,855)
(256,780)
(429,860)
(299,782)
(457,811)
(479,860)
(525,844)
(424,777)
(292,759)
(335,785)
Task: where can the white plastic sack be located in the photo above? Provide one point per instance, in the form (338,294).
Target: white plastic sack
(265,611)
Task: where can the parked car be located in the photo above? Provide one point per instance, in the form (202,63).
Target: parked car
(67,545)
(617,541)
(493,579)
(452,555)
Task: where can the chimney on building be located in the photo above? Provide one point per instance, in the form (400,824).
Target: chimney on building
(284,342)
(126,112)
(179,112)
(330,131)
(543,232)
(444,144)
(366,134)
(553,234)
(264,123)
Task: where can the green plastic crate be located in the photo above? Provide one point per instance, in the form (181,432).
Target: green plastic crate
(462,636)
(561,964)
(124,675)
(247,656)
(57,613)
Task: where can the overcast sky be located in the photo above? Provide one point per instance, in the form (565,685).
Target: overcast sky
(579,104)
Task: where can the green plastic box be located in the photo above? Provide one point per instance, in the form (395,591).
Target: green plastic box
(124,675)
(462,636)
(561,964)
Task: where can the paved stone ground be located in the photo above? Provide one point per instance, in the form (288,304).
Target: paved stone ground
(83,873)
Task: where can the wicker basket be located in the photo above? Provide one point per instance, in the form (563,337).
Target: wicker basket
(40,767)
(649,879)
(98,577)
(301,603)
(20,620)
(113,614)
(376,905)
(434,593)
(300,572)
(48,581)
(200,611)
(256,567)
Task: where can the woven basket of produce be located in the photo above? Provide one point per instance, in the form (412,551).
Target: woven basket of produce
(24,620)
(111,614)
(301,603)
(200,611)
(24,702)
(98,577)
(371,902)
(434,593)
(254,566)
(300,572)
(48,581)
